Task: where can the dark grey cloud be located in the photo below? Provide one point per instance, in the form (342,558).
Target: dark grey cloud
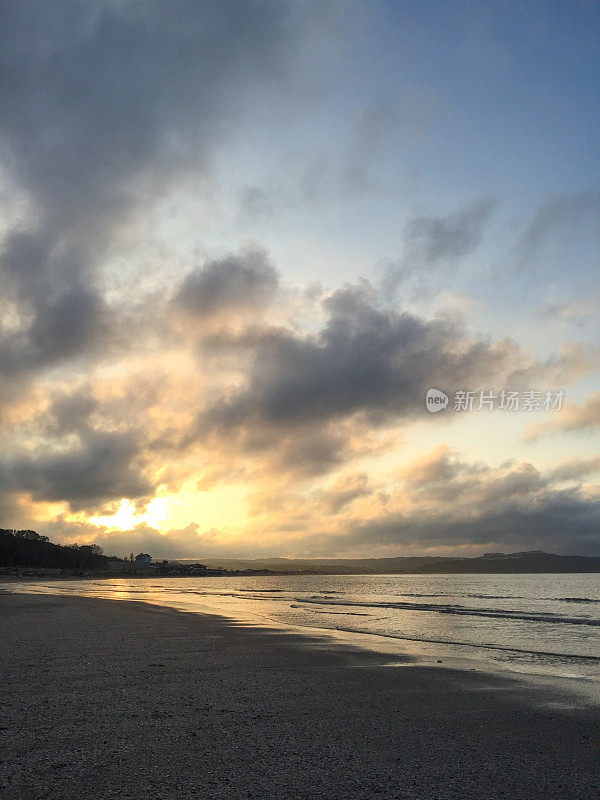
(65,314)
(69,413)
(456,504)
(365,359)
(97,92)
(438,469)
(301,401)
(431,239)
(255,204)
(575,469)
(103,104)
(102,466)
(345,491)
(443,477)
(303,454)
(298,453)
(556,521)
(559,218)
(235,283)
(433,245)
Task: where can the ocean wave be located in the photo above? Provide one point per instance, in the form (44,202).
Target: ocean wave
(336,613)
(478,645)
(323,596)
(577,599)
(498,596)
(490,613)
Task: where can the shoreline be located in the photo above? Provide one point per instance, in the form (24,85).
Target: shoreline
(104,698)
(582,690)
(260,573)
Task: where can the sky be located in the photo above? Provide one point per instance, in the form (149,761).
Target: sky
(241,241)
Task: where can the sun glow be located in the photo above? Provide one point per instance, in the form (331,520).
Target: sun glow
(124,519)
(220,508)
(157,513)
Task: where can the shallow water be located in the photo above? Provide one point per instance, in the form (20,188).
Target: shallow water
(547,624)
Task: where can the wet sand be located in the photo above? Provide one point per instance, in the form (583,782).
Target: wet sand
(105,699)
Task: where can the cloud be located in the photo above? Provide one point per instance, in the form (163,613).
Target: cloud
(562,217)
(439,466)
(442,477)
(382,128)
(570,312)
(294,397)
(273,408)
(189,542)
(104,106)
(449,504)
(103,466)
(70,412)
(556,521)
(63,315)
(99,92)
(570,419)
(177,543)
(438,503)
(344,491)
(431,239)
(309,454)
(365,359)
(434,244)
(183,543)
(574,469)
(236,283)
(255,204)
(361,162)
(136,358)
(512,507)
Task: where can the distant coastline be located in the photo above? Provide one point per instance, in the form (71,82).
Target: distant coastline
(490,563)
(28,554)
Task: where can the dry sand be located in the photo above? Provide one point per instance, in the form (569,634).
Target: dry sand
(105,699)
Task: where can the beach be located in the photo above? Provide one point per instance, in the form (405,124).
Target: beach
(107,699)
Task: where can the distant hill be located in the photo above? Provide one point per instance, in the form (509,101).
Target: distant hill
(533,561)
(29,549)
(329,566)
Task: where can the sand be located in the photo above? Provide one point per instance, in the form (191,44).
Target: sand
(105,699)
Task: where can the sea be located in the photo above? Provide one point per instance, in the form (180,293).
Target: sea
(538,624)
